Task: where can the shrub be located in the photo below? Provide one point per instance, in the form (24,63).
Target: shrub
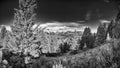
(65,47)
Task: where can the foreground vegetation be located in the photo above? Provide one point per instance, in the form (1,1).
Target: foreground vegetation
(21,48)
(105,56)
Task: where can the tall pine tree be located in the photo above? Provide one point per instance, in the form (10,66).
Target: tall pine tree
(101,35)
(109,29)
(87,38)
(23,37)
(114,26)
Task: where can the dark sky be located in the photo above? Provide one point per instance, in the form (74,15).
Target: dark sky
(90,11)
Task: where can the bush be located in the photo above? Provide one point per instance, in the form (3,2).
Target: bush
(65,47)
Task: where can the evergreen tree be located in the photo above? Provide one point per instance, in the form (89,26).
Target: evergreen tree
(118,6)
(87,32)
(87,38)
(101,35)
(113,29)
(116,31)
(23,37)
(110,27)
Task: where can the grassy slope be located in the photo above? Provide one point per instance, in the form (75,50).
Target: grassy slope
(100,57)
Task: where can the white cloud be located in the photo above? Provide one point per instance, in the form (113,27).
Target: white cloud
(52,24)
(61,27)
(104,21)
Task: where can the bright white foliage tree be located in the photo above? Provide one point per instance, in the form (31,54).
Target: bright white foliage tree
(23,37)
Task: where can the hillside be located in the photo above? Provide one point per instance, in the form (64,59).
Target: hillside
(104,56)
